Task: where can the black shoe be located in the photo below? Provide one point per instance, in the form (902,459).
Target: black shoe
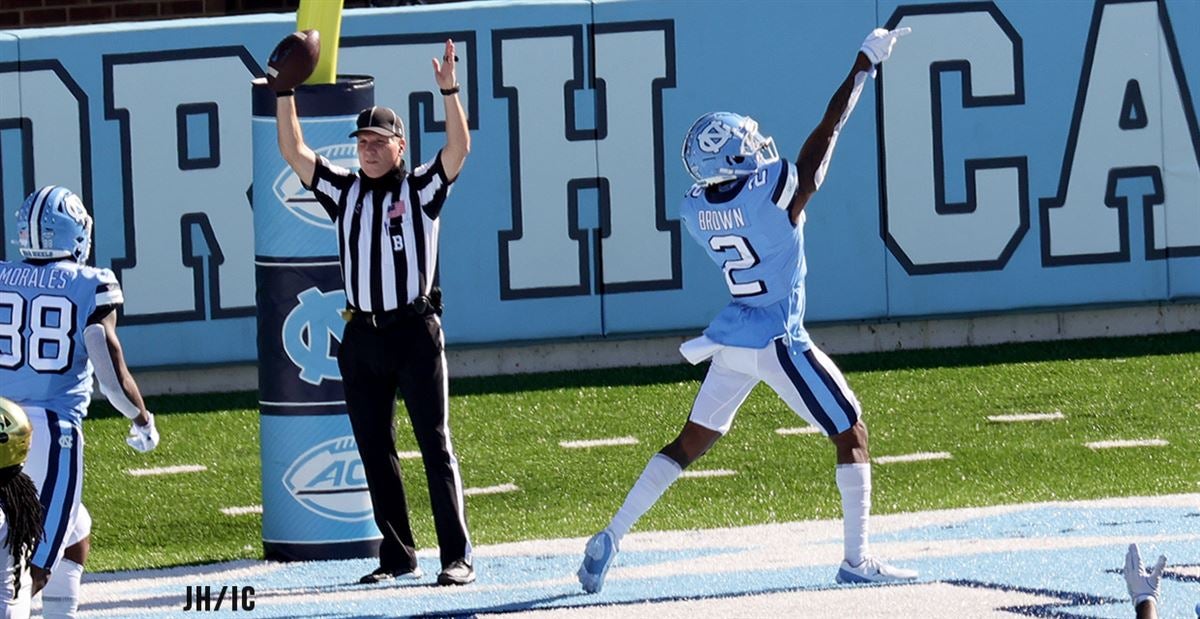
(384,574)
(458,573)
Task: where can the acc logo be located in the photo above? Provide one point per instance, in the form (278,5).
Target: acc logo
(300,201)
(713,137)
(309,331)
(328,480)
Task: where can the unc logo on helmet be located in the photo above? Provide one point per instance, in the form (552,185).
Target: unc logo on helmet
(309,331)
(329,480)
(713,137)
(52,224)
(300,201)
(722,146)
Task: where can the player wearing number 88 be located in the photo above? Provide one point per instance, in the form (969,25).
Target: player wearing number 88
(747,211)
(57,326)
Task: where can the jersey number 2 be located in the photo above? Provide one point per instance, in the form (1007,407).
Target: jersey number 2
(52,329)
(745,260)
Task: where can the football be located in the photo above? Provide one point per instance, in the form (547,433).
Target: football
(293,60)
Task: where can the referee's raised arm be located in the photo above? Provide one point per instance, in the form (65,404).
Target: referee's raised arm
(299,156)
(458,139)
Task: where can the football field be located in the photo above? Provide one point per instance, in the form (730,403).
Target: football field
(548,458)
(1041,560)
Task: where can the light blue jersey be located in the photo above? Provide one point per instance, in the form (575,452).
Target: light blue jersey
(43,311)
(745,228)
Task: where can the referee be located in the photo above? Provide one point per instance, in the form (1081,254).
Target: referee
(387,226)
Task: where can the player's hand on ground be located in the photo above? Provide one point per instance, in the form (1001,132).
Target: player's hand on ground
(878,45)
(444,71)
(143,438)
(1142,583)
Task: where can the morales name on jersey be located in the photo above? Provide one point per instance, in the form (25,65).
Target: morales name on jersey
(44,308)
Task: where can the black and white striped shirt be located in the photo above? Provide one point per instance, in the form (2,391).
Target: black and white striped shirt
(388,249)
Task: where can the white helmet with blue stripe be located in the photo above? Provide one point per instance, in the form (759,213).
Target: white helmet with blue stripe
(722,146)
(52,224)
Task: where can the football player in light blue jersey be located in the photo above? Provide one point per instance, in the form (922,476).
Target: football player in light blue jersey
(747,210)
(58,325)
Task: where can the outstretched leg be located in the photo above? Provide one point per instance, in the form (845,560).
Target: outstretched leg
(722,392)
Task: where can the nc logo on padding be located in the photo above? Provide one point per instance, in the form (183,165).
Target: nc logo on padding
(300,201)
(329,480)
(309,332)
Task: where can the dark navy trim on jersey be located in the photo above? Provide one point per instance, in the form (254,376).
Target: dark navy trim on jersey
(834,388)
(56,501)
(785,170)
(810,399)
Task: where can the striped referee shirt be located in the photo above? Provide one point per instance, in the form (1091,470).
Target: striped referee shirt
(387,230)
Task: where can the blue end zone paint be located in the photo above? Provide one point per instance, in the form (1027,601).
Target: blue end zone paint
(1068,554)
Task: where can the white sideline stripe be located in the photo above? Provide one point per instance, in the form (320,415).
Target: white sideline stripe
(917,457)
(1150,442)
(242,511)
(797,430)
(168,470)
(1026,417)
(603,442)
(409,455)
(491,489)
(709,473)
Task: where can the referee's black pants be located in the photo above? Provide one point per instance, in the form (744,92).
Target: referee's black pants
(374,362)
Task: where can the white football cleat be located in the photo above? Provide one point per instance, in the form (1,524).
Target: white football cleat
(598,556)
(872,570)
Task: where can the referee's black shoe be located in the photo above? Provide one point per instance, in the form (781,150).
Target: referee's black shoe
(458,573)
(384,574)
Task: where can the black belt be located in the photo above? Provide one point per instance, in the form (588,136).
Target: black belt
(419,308)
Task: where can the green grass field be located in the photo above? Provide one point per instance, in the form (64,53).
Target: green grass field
(507,430)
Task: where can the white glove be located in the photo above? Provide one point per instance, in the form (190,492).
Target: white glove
(1143,584)
(878,45)
(143,438)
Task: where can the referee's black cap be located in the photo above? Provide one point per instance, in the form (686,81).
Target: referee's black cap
(381,120)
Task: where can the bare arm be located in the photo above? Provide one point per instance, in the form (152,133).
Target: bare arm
(298,155)
(813,160)
(458,138)
(814,156)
